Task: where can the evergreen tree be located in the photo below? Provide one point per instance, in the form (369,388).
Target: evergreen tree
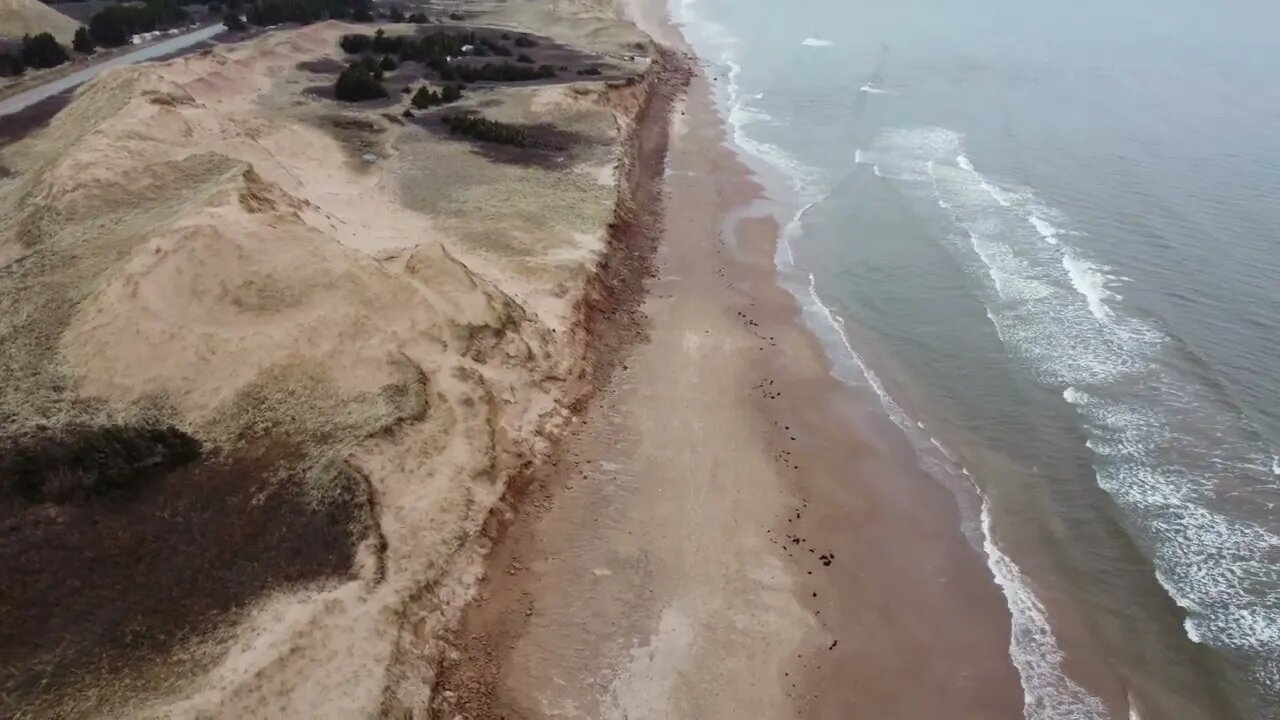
(11,65)
(233,21)
(356,83)
(43,51)
(82,43)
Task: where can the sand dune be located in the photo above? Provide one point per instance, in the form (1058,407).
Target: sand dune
(20,17)
(203,244)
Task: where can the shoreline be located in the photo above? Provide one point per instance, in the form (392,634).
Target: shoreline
(676,515)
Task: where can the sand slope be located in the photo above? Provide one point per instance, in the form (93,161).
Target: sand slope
(201,242)
(20,17)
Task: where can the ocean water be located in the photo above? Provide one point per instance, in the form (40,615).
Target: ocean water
(1046,235)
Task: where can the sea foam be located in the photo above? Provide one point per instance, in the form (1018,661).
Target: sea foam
(1056,308)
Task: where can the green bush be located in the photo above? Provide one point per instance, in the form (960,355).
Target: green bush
(81,42)
(479,128)
(234,22)
(83,462)
(357,83)
(43,51)
(114,25)
(387,64)
(425,98)
(11,65)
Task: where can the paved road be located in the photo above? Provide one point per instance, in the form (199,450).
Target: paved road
(62,84)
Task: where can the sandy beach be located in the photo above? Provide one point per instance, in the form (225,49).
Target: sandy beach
(730,532)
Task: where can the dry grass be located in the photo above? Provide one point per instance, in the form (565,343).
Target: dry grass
(20,17)
(366,349)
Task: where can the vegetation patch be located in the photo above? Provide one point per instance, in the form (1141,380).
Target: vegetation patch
(440,51)
(108,584)
(358,83)
(425,98)
(83,462)
(485,130)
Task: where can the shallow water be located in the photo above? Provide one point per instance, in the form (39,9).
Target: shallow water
(1044,234)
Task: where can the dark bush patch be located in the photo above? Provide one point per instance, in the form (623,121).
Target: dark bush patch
(485,130)
(115,24)
(589,71)
(357,83)
(81,42)
(79,463)
(43,51)
(524,58)
(95,588)
(524,41)
(11,65)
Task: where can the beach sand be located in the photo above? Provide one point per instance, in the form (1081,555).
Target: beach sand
(730,531)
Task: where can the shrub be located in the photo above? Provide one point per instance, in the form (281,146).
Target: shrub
(234,22)
(524,41)
(355,44)
(589,71)
(114,25)
(425,98)
(396,15)
(11,65)
(524,58)
(81,42)
(357,83)
(489,72)
(484,130)
(387,64)
(418,18)
(84,462)
(43,51)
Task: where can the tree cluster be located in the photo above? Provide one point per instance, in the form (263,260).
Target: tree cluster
(85,462)
(114,25)
(82,42)
(274,12)
(358,83)
(490,72)
(234,21)
(11,65)
(424,98)
(42,51)
(437,49)
(485,130)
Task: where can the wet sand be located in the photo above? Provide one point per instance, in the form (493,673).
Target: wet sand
(730,532)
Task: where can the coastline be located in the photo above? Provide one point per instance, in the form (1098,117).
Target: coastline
(727,511)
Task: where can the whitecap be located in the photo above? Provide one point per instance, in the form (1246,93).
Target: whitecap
(1091,282)
(1048,692)
(1046,229)
(873,90)
(816,42)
